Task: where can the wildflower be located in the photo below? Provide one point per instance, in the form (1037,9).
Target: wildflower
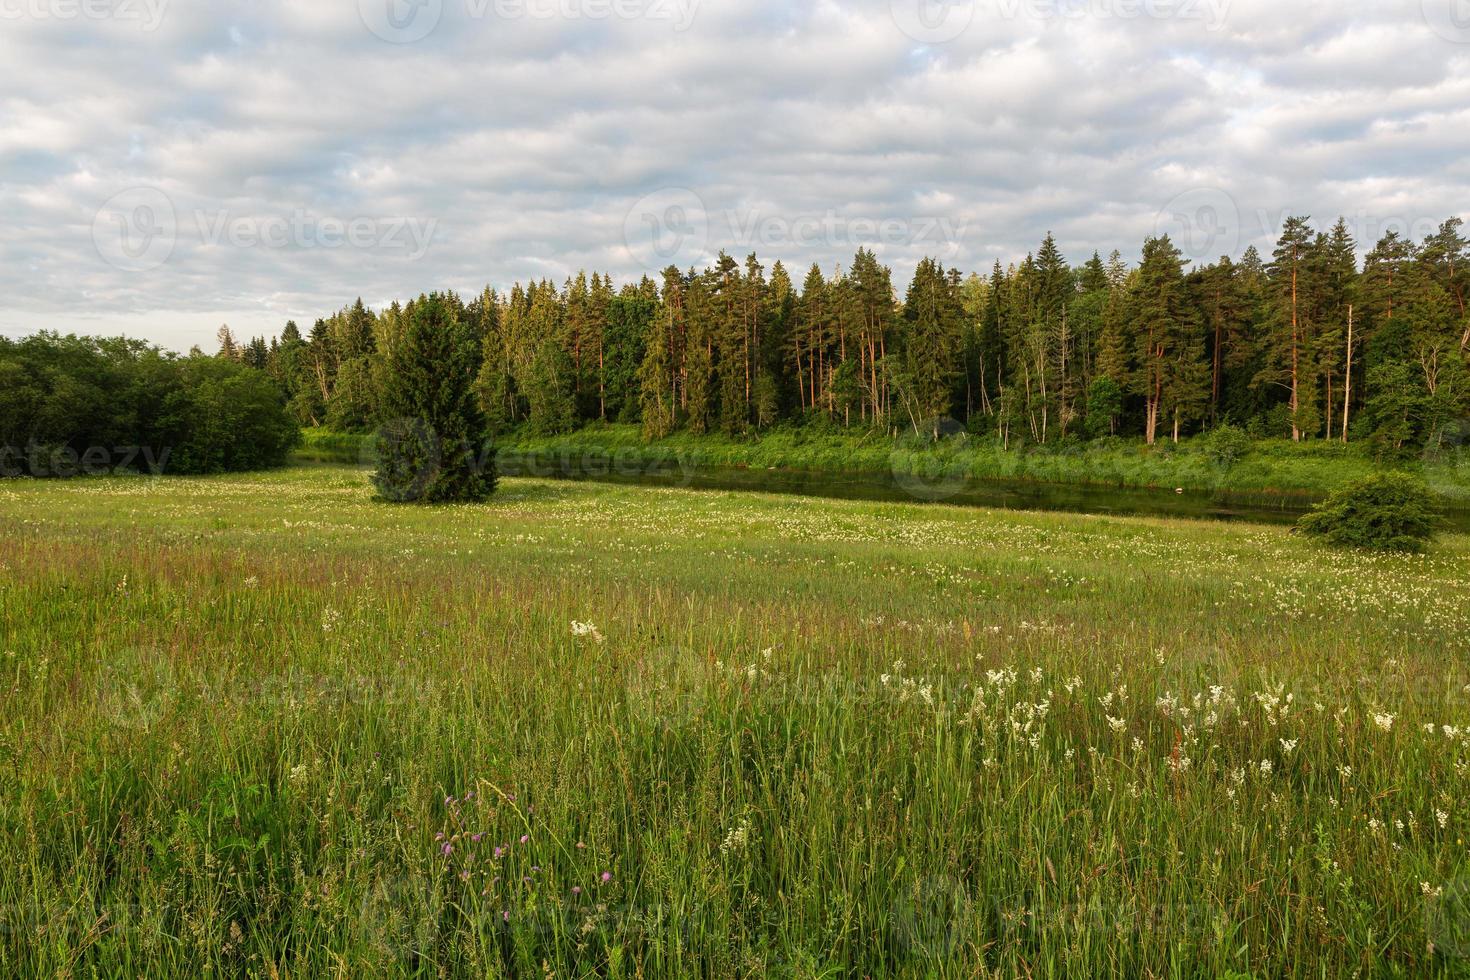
(1441,818)
(1384,721)
(737,839)
(525,837)
(606,877)
(1287,745)
(587,630)
(1116,724)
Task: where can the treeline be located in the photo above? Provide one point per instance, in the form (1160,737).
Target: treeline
(1304,343)
(81,405)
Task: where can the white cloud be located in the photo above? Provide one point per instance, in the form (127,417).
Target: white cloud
(524,140)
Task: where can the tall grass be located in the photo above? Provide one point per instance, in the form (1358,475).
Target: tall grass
(264,726)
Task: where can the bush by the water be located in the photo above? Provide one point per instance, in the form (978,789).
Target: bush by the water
(1384,512)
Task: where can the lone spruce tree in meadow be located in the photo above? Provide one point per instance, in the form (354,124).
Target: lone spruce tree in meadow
(433,448)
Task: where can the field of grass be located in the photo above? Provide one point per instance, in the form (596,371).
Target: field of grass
(264,726)
(1278,466)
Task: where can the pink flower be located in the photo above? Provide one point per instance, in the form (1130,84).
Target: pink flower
(606,877)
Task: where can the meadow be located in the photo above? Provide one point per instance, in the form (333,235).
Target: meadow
(264,726)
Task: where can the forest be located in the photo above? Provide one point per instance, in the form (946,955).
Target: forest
(1305,343)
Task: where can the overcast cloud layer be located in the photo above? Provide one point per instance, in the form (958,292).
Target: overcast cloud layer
(169,166)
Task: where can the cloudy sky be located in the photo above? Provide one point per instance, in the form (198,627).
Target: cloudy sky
(168,166)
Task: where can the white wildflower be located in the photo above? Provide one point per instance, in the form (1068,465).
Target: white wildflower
(587,630)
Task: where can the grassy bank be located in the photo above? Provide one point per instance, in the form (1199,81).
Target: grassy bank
(265,726)
(1269,466)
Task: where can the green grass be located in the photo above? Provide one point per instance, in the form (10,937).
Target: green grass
(1273,466)
(244,716)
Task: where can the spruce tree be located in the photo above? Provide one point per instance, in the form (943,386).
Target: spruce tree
(433,448)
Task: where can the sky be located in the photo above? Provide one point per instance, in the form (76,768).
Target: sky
(168,167)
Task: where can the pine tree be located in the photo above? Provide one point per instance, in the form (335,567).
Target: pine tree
(1290,276)
(433,448)
(657,374)
(1169,351)
(930,339)
(228,349)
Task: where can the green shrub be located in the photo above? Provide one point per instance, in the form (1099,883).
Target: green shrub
(1384,512)
(1226,444)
